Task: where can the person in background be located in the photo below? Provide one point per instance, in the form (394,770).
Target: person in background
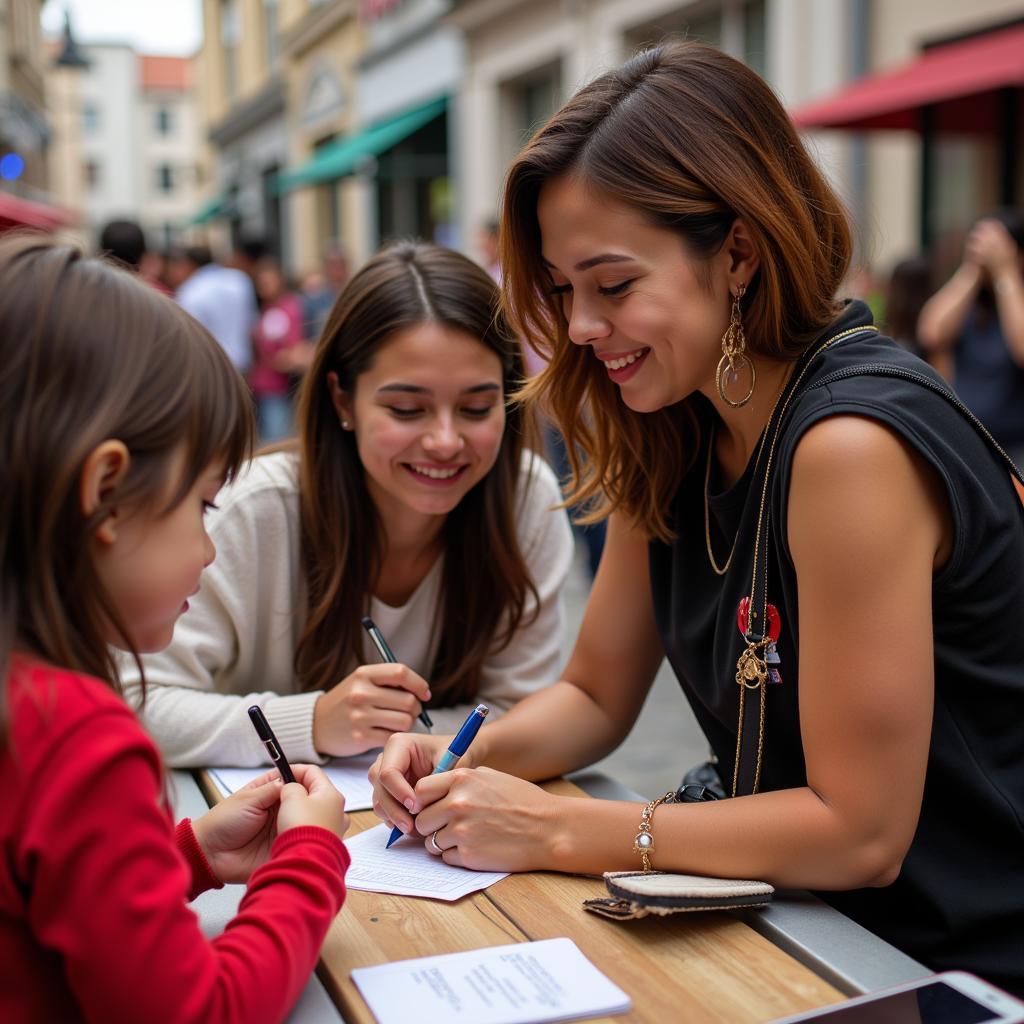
(119,420)
(125,242)
(222,299)
(487,244)
(910,285)
(320,290)
(976,320)
(412,498)
(248,253)
(276,338)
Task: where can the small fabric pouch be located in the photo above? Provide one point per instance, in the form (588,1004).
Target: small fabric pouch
(635,894)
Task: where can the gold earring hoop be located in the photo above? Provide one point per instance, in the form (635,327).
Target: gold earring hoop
(735,364)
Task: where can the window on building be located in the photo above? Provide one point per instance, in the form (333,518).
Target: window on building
(526,102)
(755,36)
(700,22)
(90,119)
(270,35)
(91,174)
(230,37)
(165,178)
(164,121)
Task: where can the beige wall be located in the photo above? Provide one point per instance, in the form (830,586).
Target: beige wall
(65,155)
(339,48)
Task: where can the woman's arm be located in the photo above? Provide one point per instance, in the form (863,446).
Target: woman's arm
(942,316)
(867,523)
(575,721)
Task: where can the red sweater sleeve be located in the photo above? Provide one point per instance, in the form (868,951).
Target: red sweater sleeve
(203,877)
(108,890)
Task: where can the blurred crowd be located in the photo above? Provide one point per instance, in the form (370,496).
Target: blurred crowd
(969,324)
(970,328)
(266,323)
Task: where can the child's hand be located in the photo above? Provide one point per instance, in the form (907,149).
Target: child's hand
(236,835)
(311,800)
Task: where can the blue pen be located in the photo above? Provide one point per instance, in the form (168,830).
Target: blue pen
(456,749)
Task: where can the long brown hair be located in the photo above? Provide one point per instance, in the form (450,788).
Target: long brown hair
(89,353)
(485,583)
(692,139)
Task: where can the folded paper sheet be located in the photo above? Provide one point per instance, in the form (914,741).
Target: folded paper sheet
(526,982)
(407,869)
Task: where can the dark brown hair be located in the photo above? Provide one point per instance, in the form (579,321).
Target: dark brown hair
(89,353)
(692,139)
(485,582)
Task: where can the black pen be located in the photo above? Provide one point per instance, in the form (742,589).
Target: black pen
(387,655)
(266,734)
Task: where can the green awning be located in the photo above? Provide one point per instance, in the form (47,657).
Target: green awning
(343,156)
(210,210)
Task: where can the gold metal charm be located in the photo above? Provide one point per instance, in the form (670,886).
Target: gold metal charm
(751,669)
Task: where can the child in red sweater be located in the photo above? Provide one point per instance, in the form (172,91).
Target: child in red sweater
(120,418)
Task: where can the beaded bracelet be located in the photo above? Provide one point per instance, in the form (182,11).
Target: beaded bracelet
(644,841)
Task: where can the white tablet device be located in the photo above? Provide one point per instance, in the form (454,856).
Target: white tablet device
(953,997)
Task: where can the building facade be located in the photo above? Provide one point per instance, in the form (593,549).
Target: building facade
(168,134)
(125,141)
(524,58)
(26,131)
(242,101)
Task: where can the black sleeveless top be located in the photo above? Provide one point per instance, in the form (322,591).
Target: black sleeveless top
(959,898)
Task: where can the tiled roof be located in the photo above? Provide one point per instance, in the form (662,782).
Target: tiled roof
(165,73)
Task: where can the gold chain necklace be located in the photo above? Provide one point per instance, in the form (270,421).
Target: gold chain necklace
(752,668)
(707,479)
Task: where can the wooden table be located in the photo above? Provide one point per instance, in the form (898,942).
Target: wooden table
(693,967)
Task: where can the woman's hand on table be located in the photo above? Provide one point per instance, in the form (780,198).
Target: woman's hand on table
(400,765)
(236,835)
(366,708)
(489,821)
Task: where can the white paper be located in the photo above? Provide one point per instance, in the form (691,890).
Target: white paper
(348,775)
(524,983)
(406,869)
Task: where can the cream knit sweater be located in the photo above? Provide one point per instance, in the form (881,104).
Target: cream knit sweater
(235,645)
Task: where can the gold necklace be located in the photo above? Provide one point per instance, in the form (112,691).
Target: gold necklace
(707,516)
(707,479)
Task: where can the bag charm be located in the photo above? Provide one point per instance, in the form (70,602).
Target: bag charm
(771,659)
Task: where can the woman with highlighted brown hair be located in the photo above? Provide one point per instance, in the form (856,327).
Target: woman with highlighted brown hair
(411,498)
(820,538)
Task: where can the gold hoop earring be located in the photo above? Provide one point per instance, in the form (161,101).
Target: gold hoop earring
(735,363)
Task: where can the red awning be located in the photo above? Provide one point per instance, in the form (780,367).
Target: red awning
(16,212)
(953,71)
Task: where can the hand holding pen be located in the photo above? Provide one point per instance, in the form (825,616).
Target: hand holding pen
(387,656)
(366,708)
(458,746)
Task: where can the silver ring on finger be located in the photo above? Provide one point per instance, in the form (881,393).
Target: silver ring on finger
(433,842)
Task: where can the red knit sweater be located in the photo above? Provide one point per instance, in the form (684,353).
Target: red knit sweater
(94,878)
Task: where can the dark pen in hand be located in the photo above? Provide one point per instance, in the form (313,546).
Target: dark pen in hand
(266,735)
(387,655)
